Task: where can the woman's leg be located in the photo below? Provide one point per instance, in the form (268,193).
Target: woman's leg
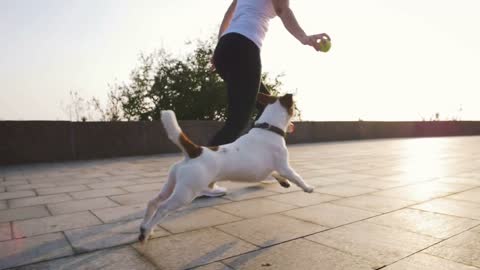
(238,62)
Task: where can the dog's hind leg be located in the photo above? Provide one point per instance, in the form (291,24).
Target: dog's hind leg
(167,190)
(281,180)
(291,175)
(181,196)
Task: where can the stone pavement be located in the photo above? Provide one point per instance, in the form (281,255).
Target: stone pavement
(396,204)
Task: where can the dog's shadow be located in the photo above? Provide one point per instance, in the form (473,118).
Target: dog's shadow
(245,192)
(237,262)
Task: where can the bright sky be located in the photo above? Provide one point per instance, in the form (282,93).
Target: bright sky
(390,60)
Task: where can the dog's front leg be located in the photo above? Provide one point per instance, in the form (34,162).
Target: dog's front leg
(291,175)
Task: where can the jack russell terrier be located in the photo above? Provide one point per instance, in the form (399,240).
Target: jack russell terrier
(251,158)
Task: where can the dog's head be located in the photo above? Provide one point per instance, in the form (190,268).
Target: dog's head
(279,110)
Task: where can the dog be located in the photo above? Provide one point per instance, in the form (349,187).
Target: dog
(251,158)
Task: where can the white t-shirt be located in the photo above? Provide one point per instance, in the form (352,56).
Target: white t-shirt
(251,19)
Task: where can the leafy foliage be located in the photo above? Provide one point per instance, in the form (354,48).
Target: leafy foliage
(187,86)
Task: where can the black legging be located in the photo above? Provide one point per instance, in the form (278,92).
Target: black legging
(237,61)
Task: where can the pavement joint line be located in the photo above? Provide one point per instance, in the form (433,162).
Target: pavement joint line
(342,251)
(236,237)
(441,240)
(12,236)
(141,255)
(48,210)
(97,217)
(69,243)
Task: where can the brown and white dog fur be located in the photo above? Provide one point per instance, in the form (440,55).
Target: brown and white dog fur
(251,158)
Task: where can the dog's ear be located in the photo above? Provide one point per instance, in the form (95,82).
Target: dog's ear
(265,99)
(287,102)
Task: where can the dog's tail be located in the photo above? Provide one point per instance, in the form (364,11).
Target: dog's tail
(176,135)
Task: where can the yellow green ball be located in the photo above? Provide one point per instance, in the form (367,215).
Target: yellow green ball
(324,45)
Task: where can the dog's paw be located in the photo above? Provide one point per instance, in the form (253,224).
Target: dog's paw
(143,237)
(308,189)
(284,184)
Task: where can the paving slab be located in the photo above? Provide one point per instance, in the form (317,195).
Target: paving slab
(423,191)
(463,248)
(321,181)
(201,202)
(254,207)
(110,184)
(213,266)
(190,249)
(144,187)
(451,207)
(330,215)
(3,205)
(472,195)
(148,180)
(134,198)
(74,182)
(107,259)
(29,186)
(474,181)
(374,203)
(248,193)
(299,254)
(5,231)
(120,213)
(379,244)
(23,213)
(422,261)
(95,193)
(382,172)
(378,183)
(269,230)
(344,190)
(351,177)
(427,223)
(194,219)
(121,176)
(80,205)
(33,249)
(39,200)
(16,194)
(325,172)
(13,183)
(91,238)
(301,198)
(36,226)
(62,189)
(277,188)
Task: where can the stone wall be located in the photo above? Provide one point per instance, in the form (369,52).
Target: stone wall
(47,141)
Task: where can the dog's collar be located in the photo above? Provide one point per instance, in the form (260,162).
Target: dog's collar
(271,128)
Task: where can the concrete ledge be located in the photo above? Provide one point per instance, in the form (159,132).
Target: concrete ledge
(47,141)
(24,142)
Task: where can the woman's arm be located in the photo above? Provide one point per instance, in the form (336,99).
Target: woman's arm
(227,18)
(282,8)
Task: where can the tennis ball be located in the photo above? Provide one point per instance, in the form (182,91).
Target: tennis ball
(324,45)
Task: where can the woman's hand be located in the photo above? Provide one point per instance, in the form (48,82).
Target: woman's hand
(312,40)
